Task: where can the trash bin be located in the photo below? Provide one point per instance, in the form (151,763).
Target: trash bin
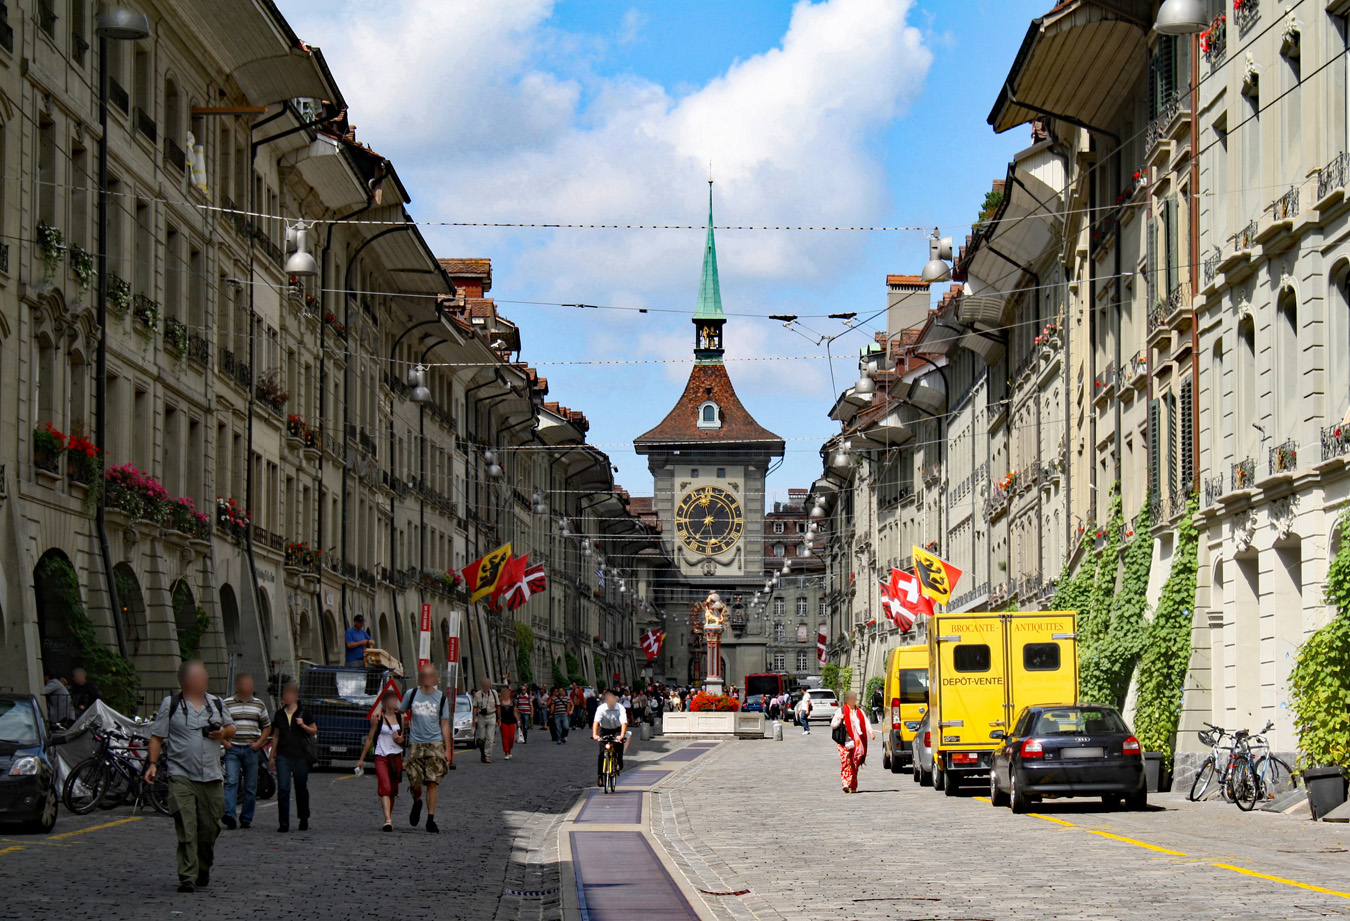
(1326,789)
(1153,770)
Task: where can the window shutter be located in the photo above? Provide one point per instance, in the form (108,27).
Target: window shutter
(1171,445)
(1187,435)
(1154,480)
(1151,269)
(1170,217)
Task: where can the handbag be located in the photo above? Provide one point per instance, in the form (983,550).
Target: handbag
(267,784)
(520,735)
(839,734)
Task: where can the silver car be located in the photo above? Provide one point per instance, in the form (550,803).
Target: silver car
(463,725)
(923,754)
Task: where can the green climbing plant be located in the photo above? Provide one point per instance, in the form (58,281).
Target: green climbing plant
(829,677)
(1167,647)
(574,669)
(1095,666)
(600,682)
(525,653)
(116,678)
(190,638)
(559,676)
(873,685)
(1124,641)
(1319,685)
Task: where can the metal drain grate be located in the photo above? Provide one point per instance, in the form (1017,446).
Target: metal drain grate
(531,893)
(736,892)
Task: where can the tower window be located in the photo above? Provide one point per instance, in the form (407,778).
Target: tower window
(710,416)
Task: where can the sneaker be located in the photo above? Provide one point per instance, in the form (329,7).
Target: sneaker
(416,814)
(186,887)
(245,824)
(304,824)
(508,757)
(432,826)
(228,821)
(203,879)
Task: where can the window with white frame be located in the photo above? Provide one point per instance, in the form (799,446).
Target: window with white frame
(778,608)
(801,661)
(779,632)
(778,527)
(779,662)
(710,416)
(801,606)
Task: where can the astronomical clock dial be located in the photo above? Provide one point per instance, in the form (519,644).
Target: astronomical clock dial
(709,520)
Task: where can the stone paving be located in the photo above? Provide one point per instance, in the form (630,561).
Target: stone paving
(495,858)
(770,817)
(750,830)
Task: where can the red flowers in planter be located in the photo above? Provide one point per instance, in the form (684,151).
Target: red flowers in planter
(720,703)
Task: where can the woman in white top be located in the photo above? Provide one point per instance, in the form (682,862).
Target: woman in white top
(853,751)
(386,742)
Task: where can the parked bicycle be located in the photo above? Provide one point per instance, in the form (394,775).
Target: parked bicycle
(1216,765)
(114,775)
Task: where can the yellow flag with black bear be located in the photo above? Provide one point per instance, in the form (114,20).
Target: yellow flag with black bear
(937,577)
(482,575)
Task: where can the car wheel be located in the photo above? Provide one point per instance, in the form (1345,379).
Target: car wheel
(886,761)
(1111,801)
(952,785)
(46,821)
(915,772)
(1017,800)
(1137,802)
(926,778)
(996,796)
(939,778)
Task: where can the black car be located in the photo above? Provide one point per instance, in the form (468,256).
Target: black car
(28,788)
(1068,750)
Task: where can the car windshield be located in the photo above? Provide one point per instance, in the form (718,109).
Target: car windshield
(462,704)
(18,723)
(1077,721)
(823,695)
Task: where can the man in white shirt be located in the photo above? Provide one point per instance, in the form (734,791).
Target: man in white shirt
(611,720)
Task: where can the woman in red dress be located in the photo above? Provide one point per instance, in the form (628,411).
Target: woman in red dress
(857,730)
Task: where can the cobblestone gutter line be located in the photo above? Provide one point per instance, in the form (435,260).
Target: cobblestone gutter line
(532,889)
(698,862)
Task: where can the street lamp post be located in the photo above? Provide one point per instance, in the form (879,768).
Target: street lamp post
(113,24)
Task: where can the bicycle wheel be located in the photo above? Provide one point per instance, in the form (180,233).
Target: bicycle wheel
(1243,785)
(117,792)
(158,794)
(1202,780)
(1279,776)
(86,786)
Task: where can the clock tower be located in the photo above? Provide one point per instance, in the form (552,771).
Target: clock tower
(709,459)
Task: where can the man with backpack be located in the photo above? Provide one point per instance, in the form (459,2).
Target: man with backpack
(429,751)
(192,724)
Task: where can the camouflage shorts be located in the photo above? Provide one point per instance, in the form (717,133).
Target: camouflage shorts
(425,763)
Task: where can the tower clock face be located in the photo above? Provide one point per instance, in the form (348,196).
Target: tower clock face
(709,520)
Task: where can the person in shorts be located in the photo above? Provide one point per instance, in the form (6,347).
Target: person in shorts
(428,751)
(385,742)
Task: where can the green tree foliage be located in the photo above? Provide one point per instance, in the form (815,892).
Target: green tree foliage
(829,677)
(524,653)
(1319,685)
(1167,647)
(117,679)
(600,682)
(574,670)
(873,685)
(559,676)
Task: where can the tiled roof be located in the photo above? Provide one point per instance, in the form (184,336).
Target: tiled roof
(905,280)
(709,382)
(466,266)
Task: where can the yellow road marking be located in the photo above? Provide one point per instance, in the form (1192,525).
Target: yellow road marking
(984,799)
(1281,879)
(85,831)
(11,850)
(1050,818)
(1151,847)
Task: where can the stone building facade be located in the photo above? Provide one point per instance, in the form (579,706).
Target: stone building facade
(277,407)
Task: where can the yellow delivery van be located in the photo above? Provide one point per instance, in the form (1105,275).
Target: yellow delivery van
(982,670)
(906,701)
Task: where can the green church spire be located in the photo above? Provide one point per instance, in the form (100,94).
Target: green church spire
(709,290)
(709,318)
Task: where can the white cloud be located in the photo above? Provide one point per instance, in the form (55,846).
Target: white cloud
(630,26)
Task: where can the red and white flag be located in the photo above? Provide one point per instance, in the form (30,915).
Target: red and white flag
(820,647)
(520,581)
(903,599)
(652,641)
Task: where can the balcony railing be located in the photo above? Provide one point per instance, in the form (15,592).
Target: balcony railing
(145,311)
(1245,13)
(1335,442)
(175,335)
(118,97)
(1284,457)
(174,156)
(1168,110)
(1213,489)
(1244,473)
(1214,41)
(1211,265)
(1285,207)
(1157,317)
(146,125)
(79,47)
(1245,238)
(227,362)
(199,350)
(243,373)
(1333,175)
(4,258)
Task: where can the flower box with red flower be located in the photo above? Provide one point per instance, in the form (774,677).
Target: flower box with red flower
(49,443)
(83,460)
(704,702)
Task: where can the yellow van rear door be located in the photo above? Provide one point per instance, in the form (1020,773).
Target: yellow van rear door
(971,676)
(1042,660)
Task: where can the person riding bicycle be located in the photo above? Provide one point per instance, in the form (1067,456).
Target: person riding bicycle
(610,724)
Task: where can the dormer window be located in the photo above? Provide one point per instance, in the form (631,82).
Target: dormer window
(710,416)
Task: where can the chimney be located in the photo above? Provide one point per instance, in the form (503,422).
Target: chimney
(906,302)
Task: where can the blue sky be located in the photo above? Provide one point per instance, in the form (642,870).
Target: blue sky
(840,112)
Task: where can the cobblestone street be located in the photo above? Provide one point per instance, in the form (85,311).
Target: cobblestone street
(751,830)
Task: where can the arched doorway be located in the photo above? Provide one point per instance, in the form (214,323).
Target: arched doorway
(135,624)
(57,591)
(382,633)
(229,622)
(334,650)
(189,620)
(304,640)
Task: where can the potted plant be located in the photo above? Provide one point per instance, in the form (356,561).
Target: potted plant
(83,459)
(1319,692)
(48,445)
(82,264)
(51,248)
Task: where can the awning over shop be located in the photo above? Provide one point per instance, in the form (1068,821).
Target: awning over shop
(1078,63)
(268,60)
